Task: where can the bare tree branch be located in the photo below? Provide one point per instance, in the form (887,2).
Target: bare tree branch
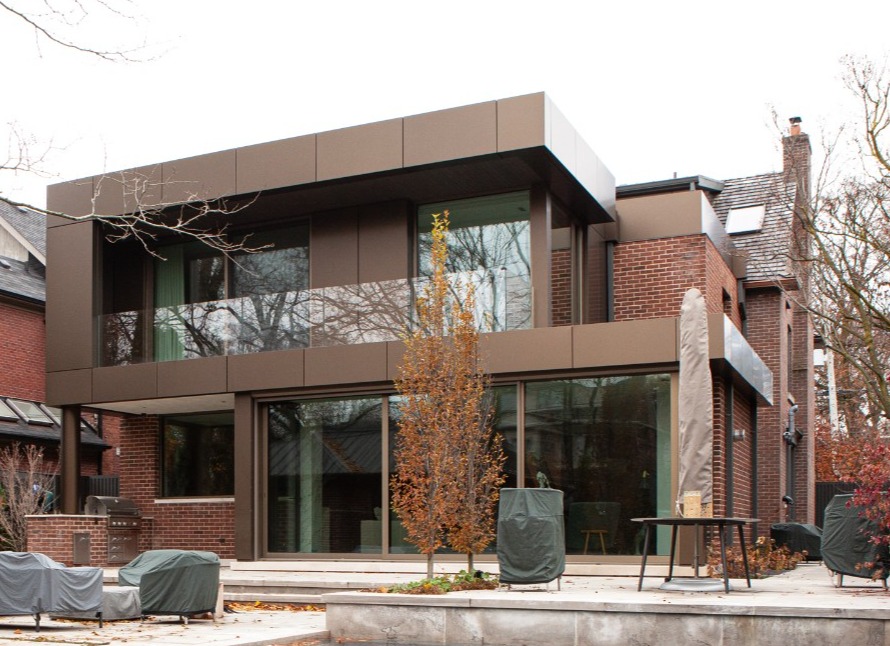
(45,26)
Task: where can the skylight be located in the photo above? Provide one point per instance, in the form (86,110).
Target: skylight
(7,412)
(745,220)
(31,412)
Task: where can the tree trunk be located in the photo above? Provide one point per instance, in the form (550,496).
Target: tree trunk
(429,565)
(471,567)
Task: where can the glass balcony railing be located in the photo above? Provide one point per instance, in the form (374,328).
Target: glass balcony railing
(350,314)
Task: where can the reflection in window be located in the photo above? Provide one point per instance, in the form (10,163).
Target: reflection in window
(605,442)
(488,245)
(324,475)
(503,398)
(197,454)
(209,305)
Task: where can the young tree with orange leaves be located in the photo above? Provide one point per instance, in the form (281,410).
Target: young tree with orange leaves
(447,459)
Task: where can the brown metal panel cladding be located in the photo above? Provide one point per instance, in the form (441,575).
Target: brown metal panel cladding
(70,296)
(667,215)
(528,350)
(364,149)
(74,198)
(122,383)
(124,191)
(265,371)
(288,162)
(192,377)
(333,249)
(522,122)
(540,225)
(204,177)
(395,352)
(384,242)
(455,133)
(346,364)
(70,459)
(69,387)
(625,343)
(246,464)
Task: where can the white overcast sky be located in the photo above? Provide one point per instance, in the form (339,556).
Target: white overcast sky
(654,87)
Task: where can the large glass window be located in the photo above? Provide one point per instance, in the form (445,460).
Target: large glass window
(197,453)
(605,442)
(503,400)
(324,475)
(210,305)
(488,245)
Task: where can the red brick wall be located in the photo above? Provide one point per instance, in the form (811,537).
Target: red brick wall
(22,358)
(111,433)
(53,535)
(743,456)
(719,463)
(802,388)
(767,334)
(652,276)
(719,279)
(561,287)
(192,524)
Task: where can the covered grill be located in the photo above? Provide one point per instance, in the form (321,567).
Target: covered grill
(124,521)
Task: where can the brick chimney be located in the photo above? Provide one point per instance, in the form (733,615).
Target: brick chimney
(796,153)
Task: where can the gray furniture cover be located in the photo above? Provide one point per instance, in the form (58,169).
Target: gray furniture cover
(117,603)
(173,582)
(798,537)
(32,583)
(531,535)
(844,546)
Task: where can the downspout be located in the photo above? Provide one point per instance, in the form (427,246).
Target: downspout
(755,507)
(730,489)
(791,437)
(610,281)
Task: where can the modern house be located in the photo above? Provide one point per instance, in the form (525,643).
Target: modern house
(24,416)
(257,388)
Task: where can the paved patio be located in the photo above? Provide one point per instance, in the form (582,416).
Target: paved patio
(798,607)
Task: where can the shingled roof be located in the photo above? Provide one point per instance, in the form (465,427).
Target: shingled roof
(30,225)
(769,249)
(24,279)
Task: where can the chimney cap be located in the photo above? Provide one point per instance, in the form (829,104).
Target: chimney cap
(795,120)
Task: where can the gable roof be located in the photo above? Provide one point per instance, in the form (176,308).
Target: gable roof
(24,279)
(769,249)
(28,227)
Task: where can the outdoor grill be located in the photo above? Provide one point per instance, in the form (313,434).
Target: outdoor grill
(124,521)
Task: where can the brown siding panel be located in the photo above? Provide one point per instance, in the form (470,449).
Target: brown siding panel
(121,383)
(333,249)
(363,149)
(69,297)
(451,134)
(192,377)
(384,242)
(265,371)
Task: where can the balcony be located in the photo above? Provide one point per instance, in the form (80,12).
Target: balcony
(344,315)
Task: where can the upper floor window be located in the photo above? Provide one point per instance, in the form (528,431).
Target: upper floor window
(206,304)
(488,245)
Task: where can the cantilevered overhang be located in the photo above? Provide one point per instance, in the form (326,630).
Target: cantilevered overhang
(484,148)
(210,383)
(726,342)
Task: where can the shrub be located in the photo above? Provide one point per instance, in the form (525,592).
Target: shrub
(764,559)
(463,580)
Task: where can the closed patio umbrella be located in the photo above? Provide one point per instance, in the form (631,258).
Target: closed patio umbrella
(695,405)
